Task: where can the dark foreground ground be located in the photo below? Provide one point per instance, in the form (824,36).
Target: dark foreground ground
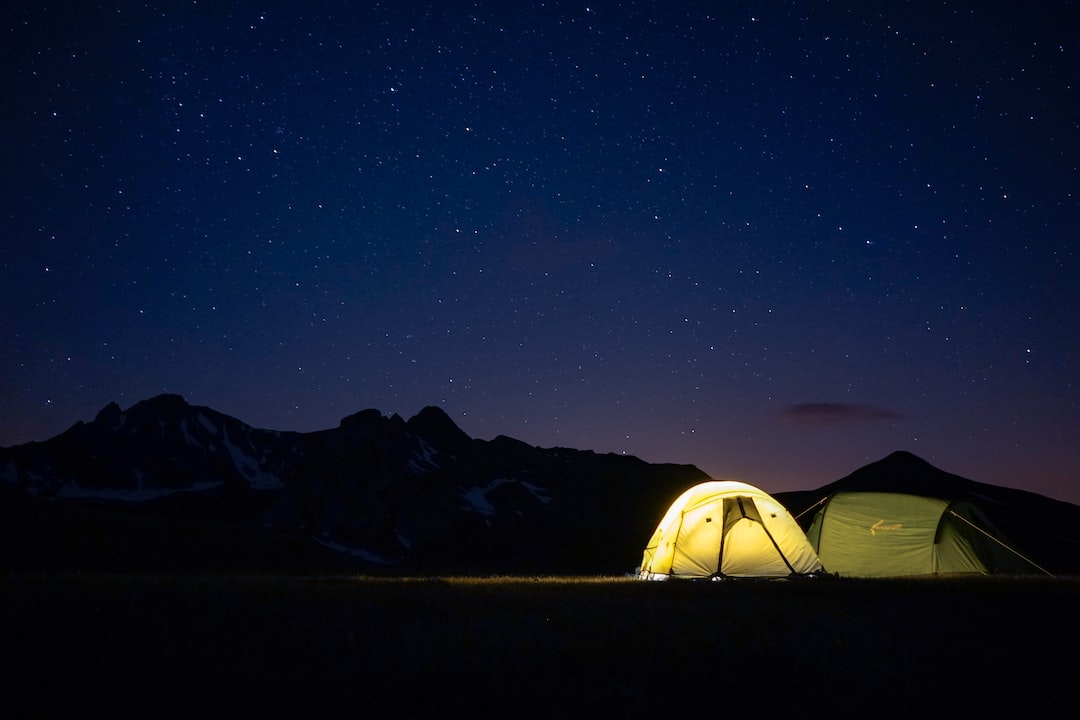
(340,646)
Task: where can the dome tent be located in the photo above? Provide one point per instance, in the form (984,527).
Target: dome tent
(890,534)
(725,528)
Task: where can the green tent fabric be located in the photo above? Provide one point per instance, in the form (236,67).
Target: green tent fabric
(725,528)
(881,534)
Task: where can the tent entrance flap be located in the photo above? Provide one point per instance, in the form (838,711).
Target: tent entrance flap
(742,508)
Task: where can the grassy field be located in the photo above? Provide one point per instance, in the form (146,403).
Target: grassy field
(278,646)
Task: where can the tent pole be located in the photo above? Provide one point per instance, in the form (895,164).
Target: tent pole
(723,536)
(778,550)
(675,543)
(768,534)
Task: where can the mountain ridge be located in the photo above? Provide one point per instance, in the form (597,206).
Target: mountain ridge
(392,495)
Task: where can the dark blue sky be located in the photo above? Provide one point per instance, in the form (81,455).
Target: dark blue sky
(774,240)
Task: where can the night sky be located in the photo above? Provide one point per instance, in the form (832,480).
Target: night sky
(774,240)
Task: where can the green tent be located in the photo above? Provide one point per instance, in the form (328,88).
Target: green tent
(883,534)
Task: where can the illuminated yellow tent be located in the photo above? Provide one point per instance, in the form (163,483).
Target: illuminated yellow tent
(724,528)
(886,534)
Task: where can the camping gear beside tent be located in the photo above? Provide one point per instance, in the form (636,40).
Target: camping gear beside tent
(885,534)
(725,528)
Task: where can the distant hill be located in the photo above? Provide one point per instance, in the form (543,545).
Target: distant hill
(165,486)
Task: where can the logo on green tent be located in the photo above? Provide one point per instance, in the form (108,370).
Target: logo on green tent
(882,525)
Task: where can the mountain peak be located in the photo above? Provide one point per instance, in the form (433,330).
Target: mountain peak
(903,471)
(108,413)
(903,456)
(165,402)
(365,418)
(433,422)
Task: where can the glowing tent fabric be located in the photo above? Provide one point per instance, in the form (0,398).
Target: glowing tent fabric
(883,534)
(724,528)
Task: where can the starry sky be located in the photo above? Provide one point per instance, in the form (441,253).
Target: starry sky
(776,240)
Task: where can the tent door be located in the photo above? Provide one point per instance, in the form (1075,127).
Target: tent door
(740,508)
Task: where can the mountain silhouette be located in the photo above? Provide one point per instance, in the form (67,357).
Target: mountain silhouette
(387,494)
(166,485)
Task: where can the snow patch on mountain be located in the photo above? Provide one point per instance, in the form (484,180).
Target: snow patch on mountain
(188,438)
(250,468)
(206,423)
(424,460)
(355,552)
(538,492)
(36,484)
(476,497)
(141,494)
(477,501)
